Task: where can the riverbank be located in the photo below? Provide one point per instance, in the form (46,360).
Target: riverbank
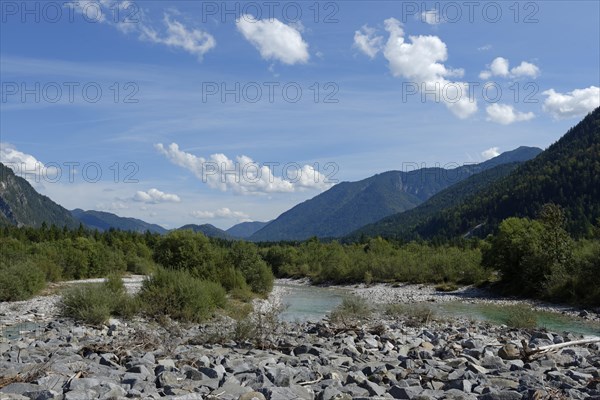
(403,293)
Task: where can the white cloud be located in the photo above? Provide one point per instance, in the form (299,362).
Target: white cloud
(490,153)
(367,42)
(525,69)
(485,47)
(506,114)
(220,213)
(421,61)
(244,175)
(572,104)
(128,18)
(25,165)
(431,17)
(193,41)
(500,66)
(274,39)
(155,196)
(112,206)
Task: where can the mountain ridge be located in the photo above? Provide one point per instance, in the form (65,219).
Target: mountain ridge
(348,206)
(103,221)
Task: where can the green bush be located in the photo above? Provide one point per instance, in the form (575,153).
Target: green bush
(181,296)
(20,280)
(352,308)
(521,317)
(96,303)
(412,314)
(244,257)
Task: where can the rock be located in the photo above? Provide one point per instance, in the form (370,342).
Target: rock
(252,396)
(509,351)
(288,393)
(461,384)
(502,395)
(373,388)
(407,393)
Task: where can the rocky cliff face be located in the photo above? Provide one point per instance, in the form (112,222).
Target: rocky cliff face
(21,205)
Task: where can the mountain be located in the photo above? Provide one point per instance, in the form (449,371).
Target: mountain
(567,174)
(21,205)
(208,230)
(103,221)
(350,205)
(245,229)
(402,225)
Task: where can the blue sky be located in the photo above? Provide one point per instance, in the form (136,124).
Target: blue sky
(347,85)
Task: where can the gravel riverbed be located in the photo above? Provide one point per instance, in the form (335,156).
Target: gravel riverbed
(376,358)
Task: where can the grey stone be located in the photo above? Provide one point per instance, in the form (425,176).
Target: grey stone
(252,396)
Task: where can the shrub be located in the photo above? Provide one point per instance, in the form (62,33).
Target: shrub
(446,287)
(244,257)
(20,281)
(521,317)
(352,308)
(181,296)
(96,303)
(413,314)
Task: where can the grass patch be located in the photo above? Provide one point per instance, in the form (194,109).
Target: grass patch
(352,308)
(413,315)
(180,296)
(521,316)
(95,303)
(446,287)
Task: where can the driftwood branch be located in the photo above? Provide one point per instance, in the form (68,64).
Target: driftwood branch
(532,354)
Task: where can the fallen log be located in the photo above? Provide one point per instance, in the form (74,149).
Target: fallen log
(530,354)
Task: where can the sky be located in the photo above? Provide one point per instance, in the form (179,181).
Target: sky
(220,112)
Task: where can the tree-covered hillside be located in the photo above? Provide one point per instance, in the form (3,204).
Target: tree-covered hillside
(104,221)
(350,205)
(566,174)
(402,225)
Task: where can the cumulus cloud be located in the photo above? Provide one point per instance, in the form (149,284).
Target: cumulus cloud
(490,153)
(155,196)
(220,213)
(506,114)
(431,17)
(128,18)
(274,39)
(525,69)
(500,66)
(422,61)
(243,175)
(572,104)
(366,41)
(26,165)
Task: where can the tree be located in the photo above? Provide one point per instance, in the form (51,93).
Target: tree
(516,252)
